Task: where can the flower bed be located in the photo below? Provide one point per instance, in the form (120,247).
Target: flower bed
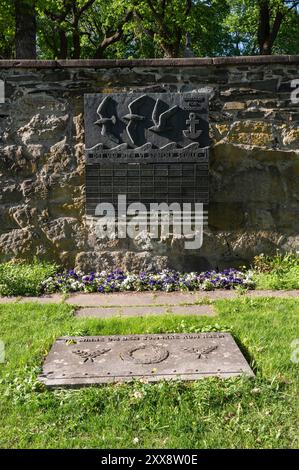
(166,280)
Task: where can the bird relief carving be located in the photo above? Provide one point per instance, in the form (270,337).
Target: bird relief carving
(104,120)
(133,117)
(146,121)
(161,121)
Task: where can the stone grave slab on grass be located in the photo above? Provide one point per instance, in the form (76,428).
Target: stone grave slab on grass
(91,360)
(108,312)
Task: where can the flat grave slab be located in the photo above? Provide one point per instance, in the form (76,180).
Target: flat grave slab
(107,312)
(91,360)
(130,299)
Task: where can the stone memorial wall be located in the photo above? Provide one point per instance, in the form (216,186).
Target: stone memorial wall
(253,171)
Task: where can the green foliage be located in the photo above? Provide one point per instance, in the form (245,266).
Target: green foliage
(149,28)
(24,279)
(279,264)
(209,413)
(278,272)
(287,41)
(56,21)
(208,30)
(7,29)
(163,33)
(242,23)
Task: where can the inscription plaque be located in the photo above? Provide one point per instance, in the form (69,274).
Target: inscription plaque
(151,147)
(89,360)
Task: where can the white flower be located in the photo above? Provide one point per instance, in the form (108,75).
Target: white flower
(138,395)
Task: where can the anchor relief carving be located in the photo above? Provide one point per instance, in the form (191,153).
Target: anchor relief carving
(192,132)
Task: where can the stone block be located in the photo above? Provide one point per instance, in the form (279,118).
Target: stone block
(91,360)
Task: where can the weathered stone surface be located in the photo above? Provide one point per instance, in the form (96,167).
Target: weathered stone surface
(254,164)
(234,105)
(107,312)
(251,133)
(128,260)
(291,137)
(148,299)
(91,360)
(130,299)
(18,243)
(65,233)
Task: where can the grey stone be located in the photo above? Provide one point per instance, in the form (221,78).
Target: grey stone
(91,360)
(98,312)
(265,85)
(126,299)
(130,299)
(254,164)
(45,299)
(141,298)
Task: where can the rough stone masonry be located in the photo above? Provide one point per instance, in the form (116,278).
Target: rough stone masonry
(254,164)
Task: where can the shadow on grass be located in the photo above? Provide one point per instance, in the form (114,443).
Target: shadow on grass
(248,356)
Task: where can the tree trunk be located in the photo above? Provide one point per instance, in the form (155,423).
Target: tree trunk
(264,27)
(63,46)
(76,41)
(25,36)
(267,34)
(171,51)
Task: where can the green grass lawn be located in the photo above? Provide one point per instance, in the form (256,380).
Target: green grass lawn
(276,281)
(209,413)
(277,272)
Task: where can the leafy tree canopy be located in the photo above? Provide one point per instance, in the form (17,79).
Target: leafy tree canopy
(151,28)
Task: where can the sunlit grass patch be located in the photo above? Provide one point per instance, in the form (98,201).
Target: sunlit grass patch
(237,412)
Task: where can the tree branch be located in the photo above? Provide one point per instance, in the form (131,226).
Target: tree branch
(113,38)
(85,7)
(188,7)
(158,17)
